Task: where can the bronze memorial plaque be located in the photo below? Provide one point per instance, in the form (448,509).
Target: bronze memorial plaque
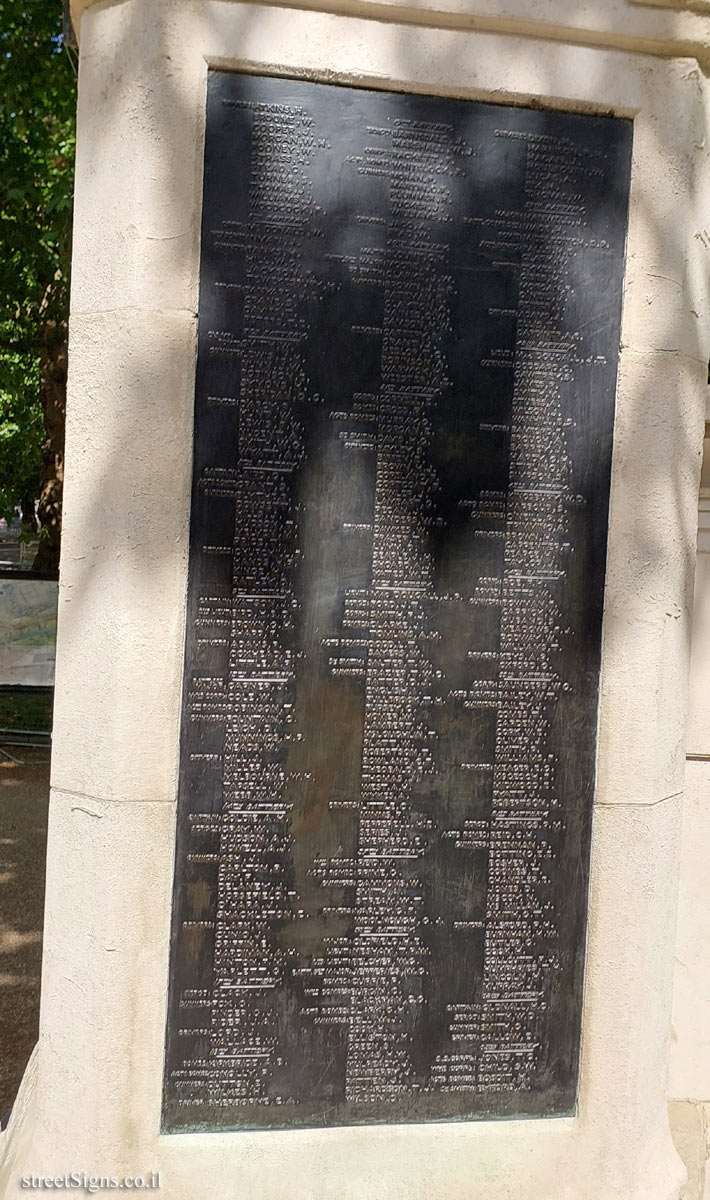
(408,342)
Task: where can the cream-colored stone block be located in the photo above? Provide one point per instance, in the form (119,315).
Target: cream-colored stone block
(627,1000)
(138,167)
(473,62)
(690,1051)
(699,6)
(17,1141)
(666,305)
(650,563)
(124,555)
(143,75)
(604,22)
(100,1060)
(698,728)
(657,395)
(688,1124)
(137,199)
(109,873)
(666,285)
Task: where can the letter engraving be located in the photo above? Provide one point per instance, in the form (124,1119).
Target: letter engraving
(409,327)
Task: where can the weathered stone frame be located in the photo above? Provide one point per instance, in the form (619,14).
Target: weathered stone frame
(92,1098)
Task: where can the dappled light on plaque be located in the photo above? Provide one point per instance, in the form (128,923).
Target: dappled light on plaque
(408,341)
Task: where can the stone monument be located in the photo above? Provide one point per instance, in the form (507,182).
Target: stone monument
(388,368)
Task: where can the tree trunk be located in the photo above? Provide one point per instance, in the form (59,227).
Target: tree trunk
(53,394)
(28,517)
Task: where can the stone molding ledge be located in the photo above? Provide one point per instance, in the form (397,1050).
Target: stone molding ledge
(662,28)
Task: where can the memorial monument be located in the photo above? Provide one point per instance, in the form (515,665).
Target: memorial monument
(387,393)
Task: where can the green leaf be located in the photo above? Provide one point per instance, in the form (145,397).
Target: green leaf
(37,134)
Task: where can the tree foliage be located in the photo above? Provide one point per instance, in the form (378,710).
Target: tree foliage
(37,111)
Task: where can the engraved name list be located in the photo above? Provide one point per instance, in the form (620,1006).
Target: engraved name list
(408,340)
